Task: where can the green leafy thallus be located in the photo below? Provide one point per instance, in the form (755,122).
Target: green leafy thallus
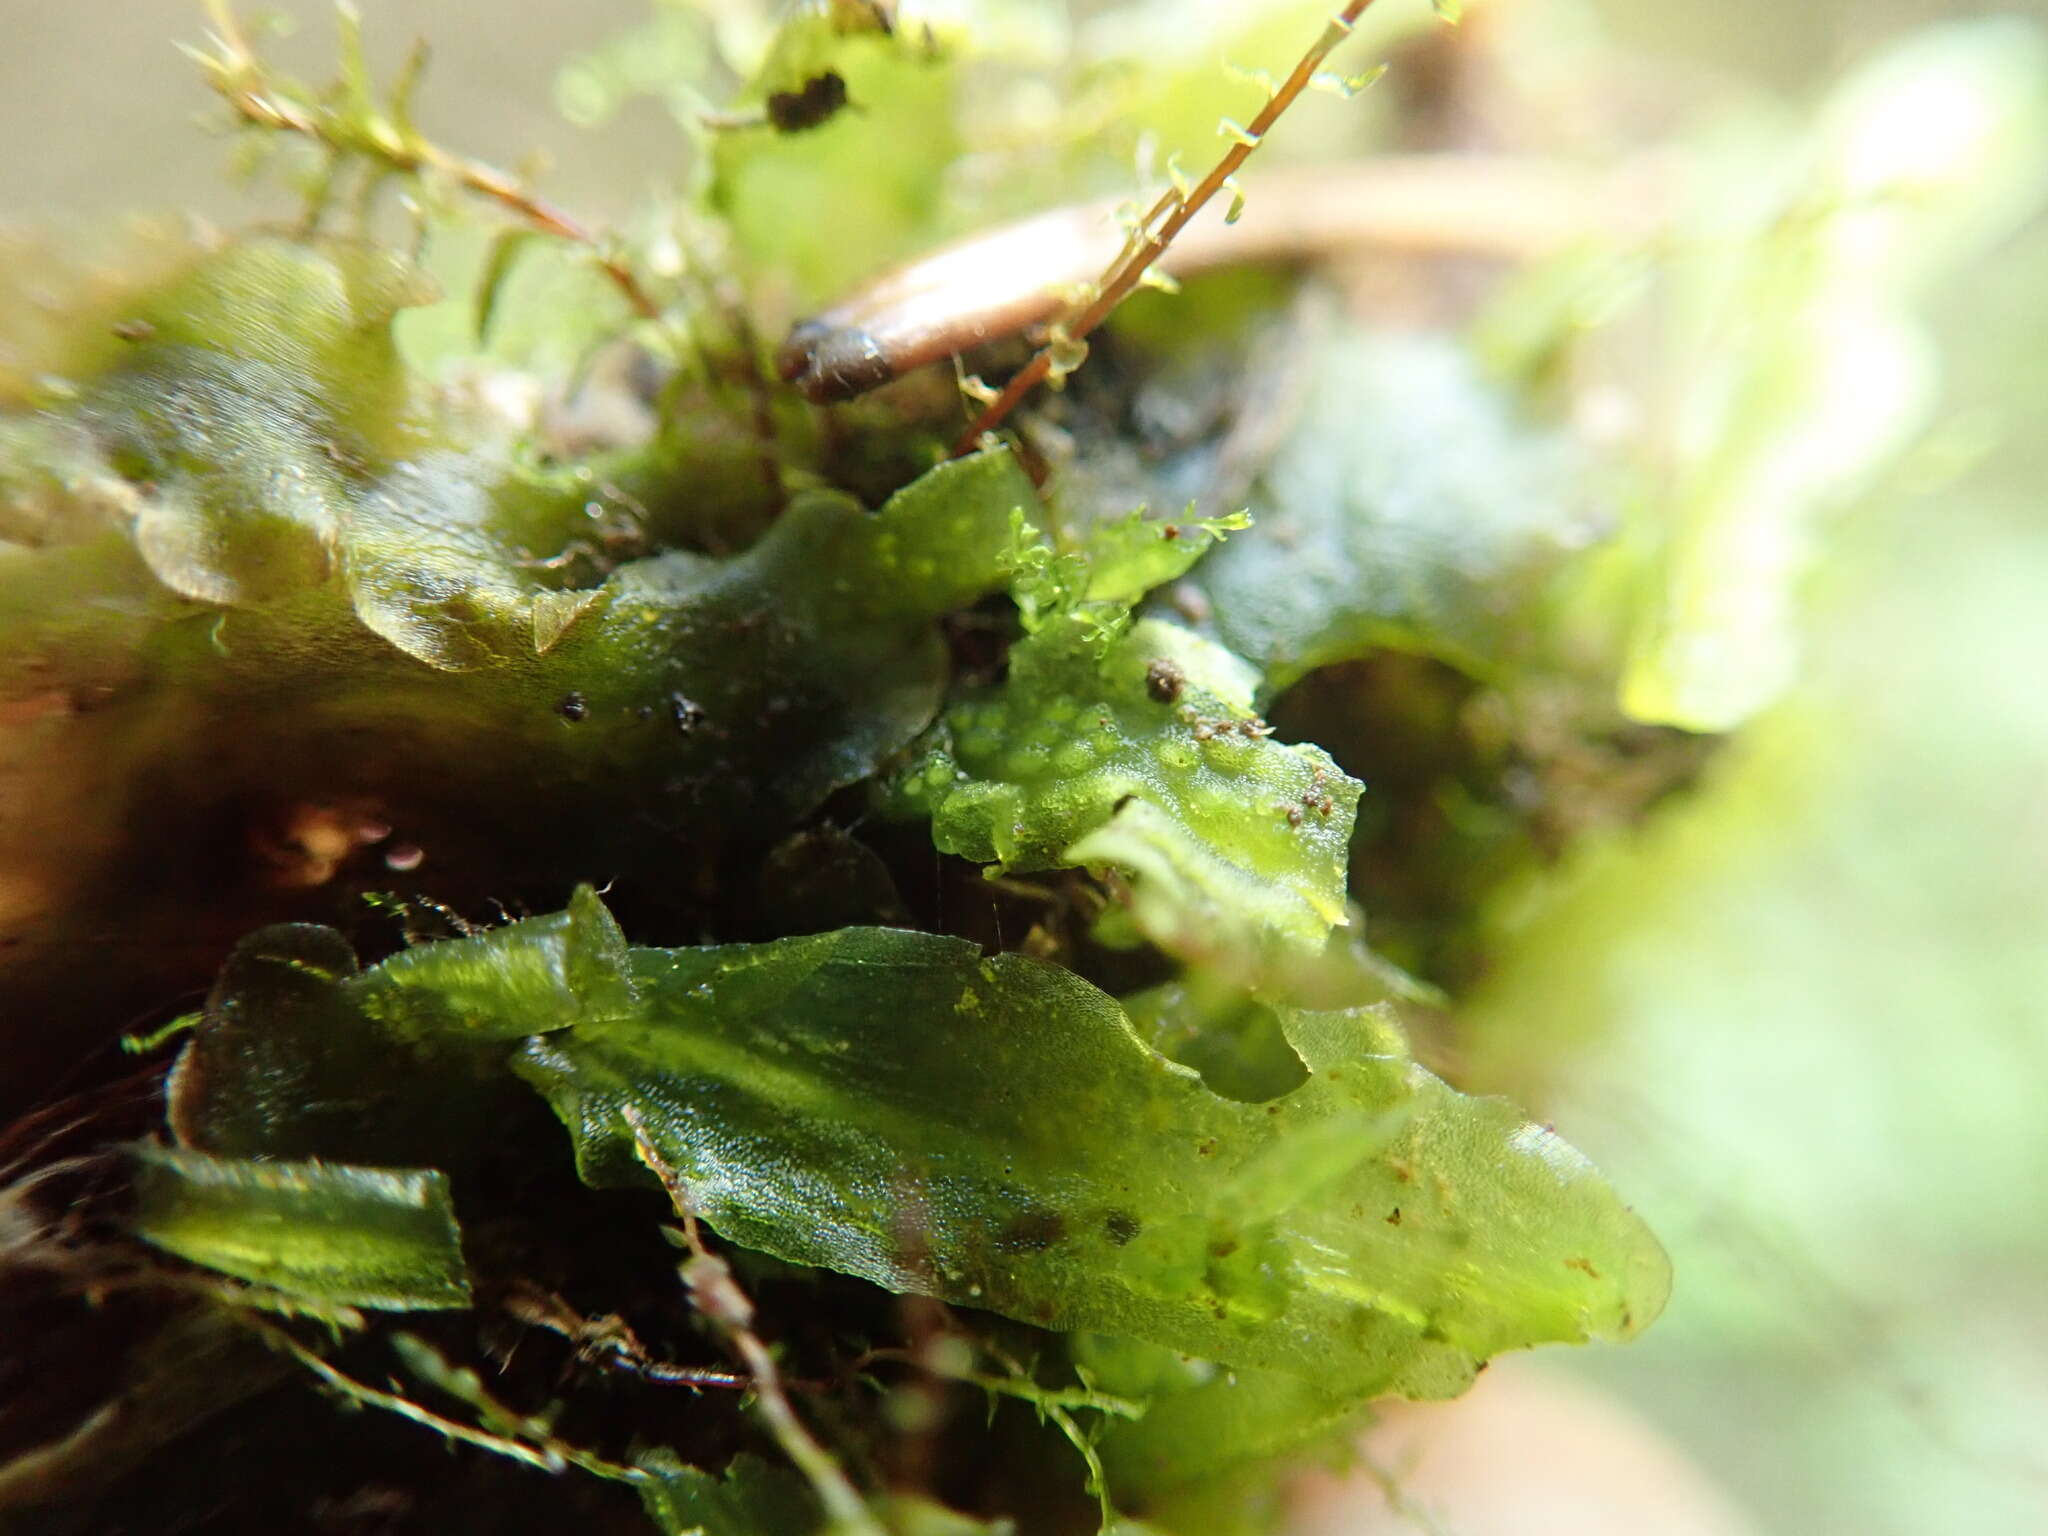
(989,1130)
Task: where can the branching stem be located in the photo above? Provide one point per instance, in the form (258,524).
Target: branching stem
(1018,1384)
(611,1338)
(717,1296)
(1154,233)
(544,1459)
(238,75)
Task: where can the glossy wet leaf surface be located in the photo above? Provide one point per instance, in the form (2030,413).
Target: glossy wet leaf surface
(1410,507)
(324,1233)
(1132,749)
(990,1130)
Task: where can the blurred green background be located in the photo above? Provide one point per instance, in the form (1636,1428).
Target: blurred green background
(1802,1016)
(1816,998)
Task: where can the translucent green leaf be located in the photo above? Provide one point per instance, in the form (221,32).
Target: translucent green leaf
(317,311)
(841,200)
(1200,1421)
(257,380)
(991,1131)
(565,967)
(1409,507)
(327,1233)
(299,1054)
(1136,751)
(1129,556)
(1146,760)
(539,304)
(1804,369)
(1237,1045)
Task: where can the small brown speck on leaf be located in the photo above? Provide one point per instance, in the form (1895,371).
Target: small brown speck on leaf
(1164,680)
(817,102)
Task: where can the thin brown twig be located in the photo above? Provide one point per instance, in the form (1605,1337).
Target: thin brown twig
(717,1296)
(611,1338)
(238,76)
(543,1458)
(1170,214)
(530,1442)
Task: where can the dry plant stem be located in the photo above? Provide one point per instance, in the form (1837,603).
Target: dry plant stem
(1005,280)
(1169,214)
(545,1459)
(718,1297)
(104,1272)
(610,1337)
(1018,1385)
(544,1454)
(240,82)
